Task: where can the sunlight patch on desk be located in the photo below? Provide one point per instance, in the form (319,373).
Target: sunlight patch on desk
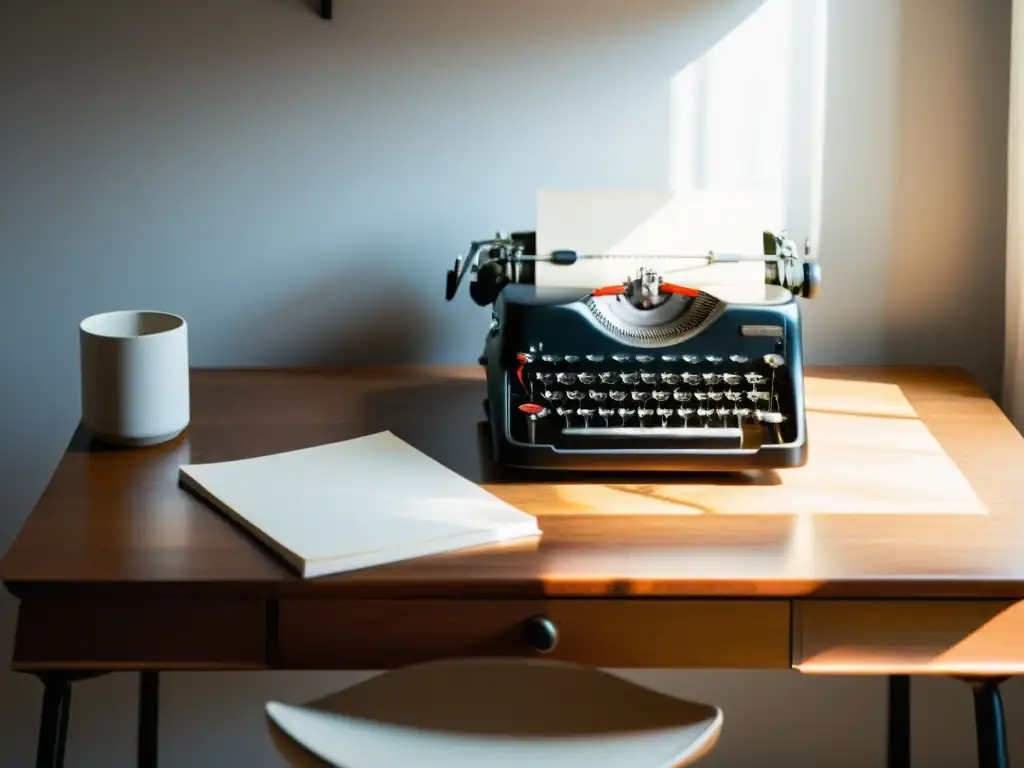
(857,398)
(869,454)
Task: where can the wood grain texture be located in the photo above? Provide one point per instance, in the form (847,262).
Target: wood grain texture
(115,522)
(379,634)
(941,637)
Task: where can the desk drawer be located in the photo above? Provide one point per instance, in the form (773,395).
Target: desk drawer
(114,633)
(908,636)
(382,634)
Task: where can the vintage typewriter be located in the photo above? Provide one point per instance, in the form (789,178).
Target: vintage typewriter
(645,374)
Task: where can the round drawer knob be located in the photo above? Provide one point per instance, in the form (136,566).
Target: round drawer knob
(541,633)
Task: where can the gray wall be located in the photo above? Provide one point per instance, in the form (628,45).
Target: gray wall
(296,189)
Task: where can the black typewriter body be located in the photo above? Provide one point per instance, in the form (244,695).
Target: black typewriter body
(645,375)
(694,384)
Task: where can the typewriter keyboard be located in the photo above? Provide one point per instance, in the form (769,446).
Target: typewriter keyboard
(615,396)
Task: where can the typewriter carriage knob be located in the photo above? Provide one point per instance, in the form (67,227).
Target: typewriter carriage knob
(490,280)
(812,279)
(541,633)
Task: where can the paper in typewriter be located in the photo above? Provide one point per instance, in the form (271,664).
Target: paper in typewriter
(641,227)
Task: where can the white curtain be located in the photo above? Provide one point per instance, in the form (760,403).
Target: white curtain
(1013,374)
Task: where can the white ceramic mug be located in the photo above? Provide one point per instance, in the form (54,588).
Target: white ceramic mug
(135,376)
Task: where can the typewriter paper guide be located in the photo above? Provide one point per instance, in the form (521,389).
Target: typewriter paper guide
(870,454)
(355,504)
(685,224)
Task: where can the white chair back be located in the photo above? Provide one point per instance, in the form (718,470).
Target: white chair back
(499,713)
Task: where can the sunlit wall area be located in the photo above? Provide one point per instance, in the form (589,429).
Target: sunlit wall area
(750,113)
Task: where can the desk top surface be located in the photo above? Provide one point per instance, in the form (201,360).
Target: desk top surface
(912,491)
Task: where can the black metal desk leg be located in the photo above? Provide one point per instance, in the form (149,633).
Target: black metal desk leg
(53,724)
(149,717)
(990,724)
(899,722)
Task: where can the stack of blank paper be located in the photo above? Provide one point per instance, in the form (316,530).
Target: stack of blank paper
(356,504)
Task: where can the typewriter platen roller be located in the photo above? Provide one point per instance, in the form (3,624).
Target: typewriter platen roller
(645,374)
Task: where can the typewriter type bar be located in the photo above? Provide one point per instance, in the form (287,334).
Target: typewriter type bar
(728,435)
(692,438)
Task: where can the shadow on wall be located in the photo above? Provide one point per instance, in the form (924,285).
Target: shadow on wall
(365,311)
(947,262)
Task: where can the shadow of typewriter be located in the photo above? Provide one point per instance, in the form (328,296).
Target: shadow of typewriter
(652,518)
(447,420)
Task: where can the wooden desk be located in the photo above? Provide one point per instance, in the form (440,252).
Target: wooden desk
(117,568)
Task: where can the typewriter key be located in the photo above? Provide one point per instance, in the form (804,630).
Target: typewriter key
(566,412)
(618,395)
(533,409)
(774,361)
(533,412)
(661,397)
(597,397)
(587,378)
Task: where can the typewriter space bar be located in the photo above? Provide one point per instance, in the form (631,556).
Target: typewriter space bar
(716,437)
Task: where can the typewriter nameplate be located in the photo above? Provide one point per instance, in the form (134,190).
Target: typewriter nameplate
(772,331)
